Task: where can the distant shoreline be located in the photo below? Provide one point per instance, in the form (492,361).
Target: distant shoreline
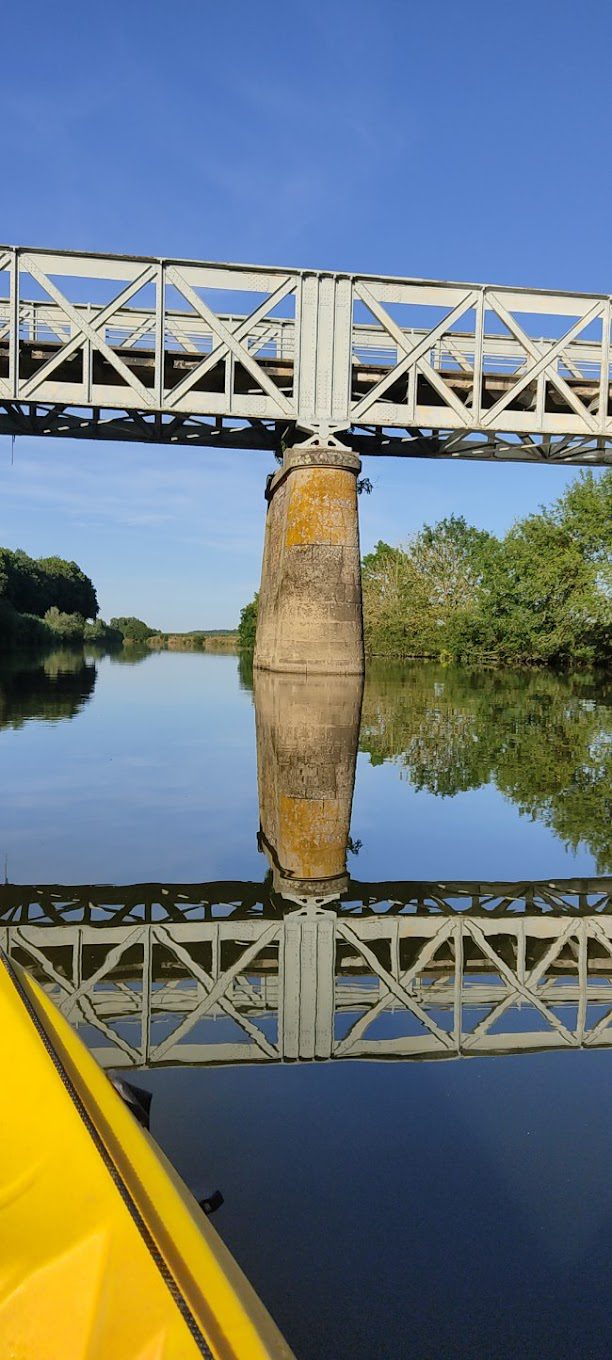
(192,642)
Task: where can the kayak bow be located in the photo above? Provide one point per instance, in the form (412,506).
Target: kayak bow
(103,1250)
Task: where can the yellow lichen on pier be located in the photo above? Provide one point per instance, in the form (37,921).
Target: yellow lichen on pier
(321,507)
(312,844)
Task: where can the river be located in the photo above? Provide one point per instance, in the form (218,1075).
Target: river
(359,948)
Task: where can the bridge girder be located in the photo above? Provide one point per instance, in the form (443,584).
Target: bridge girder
(118,347)
(450,961)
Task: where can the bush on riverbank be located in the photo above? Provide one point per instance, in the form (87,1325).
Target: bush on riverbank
(29,631)
(247,627)
(132,630)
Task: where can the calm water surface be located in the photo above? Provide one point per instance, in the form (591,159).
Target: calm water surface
(358,948)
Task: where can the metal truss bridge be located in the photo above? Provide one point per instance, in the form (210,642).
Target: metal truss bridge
(174,351)
(157,974)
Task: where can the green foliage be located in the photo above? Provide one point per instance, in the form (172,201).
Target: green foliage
(543,601)
(21,630)
(247,628)
(43,601)
(65,627)
(70,590)
(541,594)
(101,634)
(33,586)
(132,629)
(395,614)
(585,512)
(423,599)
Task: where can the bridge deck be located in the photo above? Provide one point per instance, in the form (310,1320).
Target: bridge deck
(365,375)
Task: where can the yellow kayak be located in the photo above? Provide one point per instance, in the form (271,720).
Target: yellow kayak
(104,1253)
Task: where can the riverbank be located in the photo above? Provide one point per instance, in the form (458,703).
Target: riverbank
(26,633)
(193,642)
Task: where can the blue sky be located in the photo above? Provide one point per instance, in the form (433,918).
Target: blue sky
(462,141)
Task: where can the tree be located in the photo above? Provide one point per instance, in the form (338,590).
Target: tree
(455,560)
(101,634)
(132,629)
(68,587)
(394,606)
(34,586)
(247,628)
(585,512)
(544,601)
(425,599)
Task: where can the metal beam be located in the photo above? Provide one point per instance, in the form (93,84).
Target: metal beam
(57,904)
(179,351)
(461,969)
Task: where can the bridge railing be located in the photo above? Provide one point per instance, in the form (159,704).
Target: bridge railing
(133,328)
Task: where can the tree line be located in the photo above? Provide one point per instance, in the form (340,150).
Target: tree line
(47,600)
(542,593)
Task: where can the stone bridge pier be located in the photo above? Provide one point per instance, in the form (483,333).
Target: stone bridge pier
(310,617)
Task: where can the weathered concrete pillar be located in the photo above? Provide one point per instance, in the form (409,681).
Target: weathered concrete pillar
(307,736)
(310,618)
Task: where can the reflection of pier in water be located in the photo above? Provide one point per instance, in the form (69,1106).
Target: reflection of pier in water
(228,973)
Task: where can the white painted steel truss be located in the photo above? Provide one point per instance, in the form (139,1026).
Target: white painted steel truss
(185,352)
(523,968)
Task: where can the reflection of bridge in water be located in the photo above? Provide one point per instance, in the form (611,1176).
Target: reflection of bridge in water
(229,973)
(312,964)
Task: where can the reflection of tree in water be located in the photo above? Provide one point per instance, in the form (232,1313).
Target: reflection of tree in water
(132,655)
(245,670)
(52,687)
(545,741)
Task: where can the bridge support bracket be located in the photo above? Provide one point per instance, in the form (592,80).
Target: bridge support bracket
(310,616)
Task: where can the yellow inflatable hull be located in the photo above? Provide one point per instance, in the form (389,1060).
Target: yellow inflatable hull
(104,1254)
